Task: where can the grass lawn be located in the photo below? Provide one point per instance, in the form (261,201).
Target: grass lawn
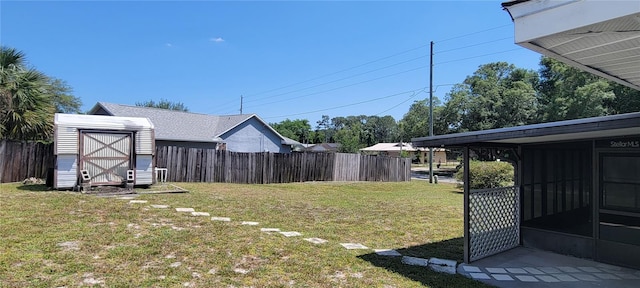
(53,239)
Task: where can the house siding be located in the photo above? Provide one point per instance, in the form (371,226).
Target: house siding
(253,136)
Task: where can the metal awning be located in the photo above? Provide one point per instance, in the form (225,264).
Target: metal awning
(587,128)
(601,37)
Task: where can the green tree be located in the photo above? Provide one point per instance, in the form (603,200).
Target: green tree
(63,100)
(626,100)
(298,129)
(566,92)
(496,95)
(164,104)
(349,139)
(415,123)
(26,108)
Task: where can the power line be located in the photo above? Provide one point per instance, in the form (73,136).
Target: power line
(405,101)
(348,105)
(380,59)
(345,86)
(340,71)
(473,45)
(472,33)
(478,56)
(338,80)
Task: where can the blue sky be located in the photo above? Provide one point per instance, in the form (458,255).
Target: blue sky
(295,59)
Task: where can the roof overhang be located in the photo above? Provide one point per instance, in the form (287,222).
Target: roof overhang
(570,130)
(601,37)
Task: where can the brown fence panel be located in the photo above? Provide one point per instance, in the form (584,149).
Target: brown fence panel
(22,160)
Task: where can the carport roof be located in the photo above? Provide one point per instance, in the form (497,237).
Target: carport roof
(579,129)
(601,37)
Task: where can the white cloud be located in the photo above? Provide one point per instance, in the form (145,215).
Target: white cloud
(217,39)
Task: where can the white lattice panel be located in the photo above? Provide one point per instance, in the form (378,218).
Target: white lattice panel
(494,221)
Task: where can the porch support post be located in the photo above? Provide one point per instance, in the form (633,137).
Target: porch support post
(467,185)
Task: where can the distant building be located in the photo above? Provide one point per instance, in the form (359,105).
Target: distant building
(323,147)
(237,133)
(394,150)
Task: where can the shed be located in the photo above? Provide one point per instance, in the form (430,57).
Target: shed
(102,150)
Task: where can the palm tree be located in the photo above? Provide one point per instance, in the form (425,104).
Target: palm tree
(26,110)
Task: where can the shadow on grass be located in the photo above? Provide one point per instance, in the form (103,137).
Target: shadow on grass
(447,249)
(34,187)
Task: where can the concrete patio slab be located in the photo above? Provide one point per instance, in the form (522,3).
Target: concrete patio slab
(158,206)
(527,267)
(137,201)
(200,214)
(269,229)
(249,223)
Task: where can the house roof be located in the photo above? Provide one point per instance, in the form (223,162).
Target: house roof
(580,129)
(323,147)
(389,147)
(174,125)
(597,36)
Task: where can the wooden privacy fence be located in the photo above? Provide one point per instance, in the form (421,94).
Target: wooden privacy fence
(21,160)
(209,165)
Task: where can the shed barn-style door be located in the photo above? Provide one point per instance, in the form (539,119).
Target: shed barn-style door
(106,156)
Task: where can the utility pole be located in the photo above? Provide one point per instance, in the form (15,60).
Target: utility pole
(241,98)
(431,111)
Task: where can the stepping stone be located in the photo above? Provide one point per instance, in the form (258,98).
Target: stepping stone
(185,210)
(442,269)
(415,261)
(590,269)
(200,213)
(291,234)
(269,230)
(160,206)
(585,277)
(627,276)
(516,270)
(470,269)
(527,278)
(442,262)
(316,240)
(387,252)
(565,278)
(502,277)
(567,269)
(479,276)
(533,271)
(137,201)
(250,223)
(126,198)
(547,278)
(549,270)
(223,219)
(352,246)
(496,270)
(606,276)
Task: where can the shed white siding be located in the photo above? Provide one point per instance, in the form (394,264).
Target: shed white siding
(66,140)
(66,171)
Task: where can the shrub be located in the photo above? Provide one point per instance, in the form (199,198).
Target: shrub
(485,175)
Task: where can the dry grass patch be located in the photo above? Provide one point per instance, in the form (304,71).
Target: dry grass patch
(53,239)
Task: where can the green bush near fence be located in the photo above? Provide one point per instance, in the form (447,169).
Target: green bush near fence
(484,174)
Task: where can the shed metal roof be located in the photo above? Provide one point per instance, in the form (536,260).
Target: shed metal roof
(587,128)
(102,122)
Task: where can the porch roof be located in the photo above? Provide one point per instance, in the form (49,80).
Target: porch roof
(579,129)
